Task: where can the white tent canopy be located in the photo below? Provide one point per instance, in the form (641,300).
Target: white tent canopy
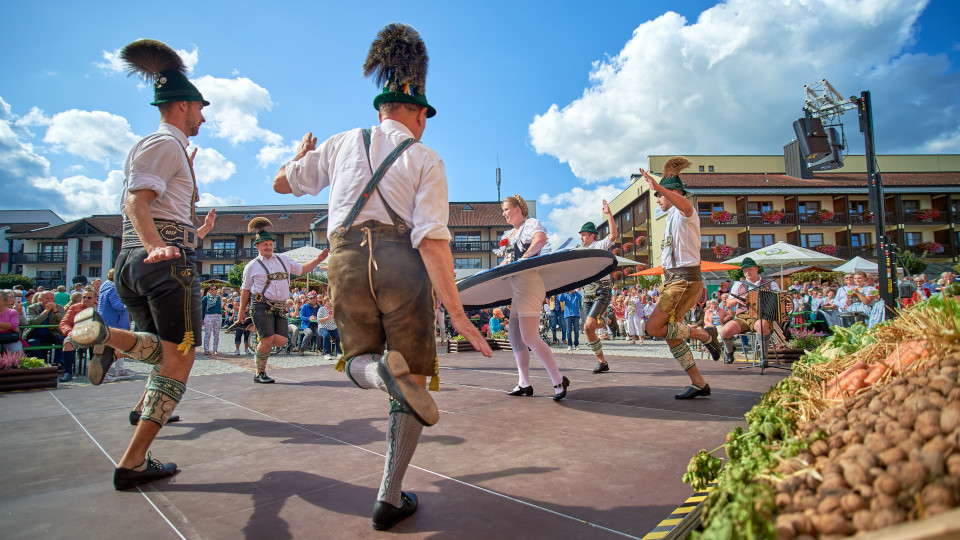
(857,264)
(783,253)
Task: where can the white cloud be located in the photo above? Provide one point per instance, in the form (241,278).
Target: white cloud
(113,64)
(234,105)
(574,208)
(275,154)
(208,200)
(34,118)
(731,82)
(211,166)
(92,135)
(86,196)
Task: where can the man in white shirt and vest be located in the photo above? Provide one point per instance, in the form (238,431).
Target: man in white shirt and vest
(389,251)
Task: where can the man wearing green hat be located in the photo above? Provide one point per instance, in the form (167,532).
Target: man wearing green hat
(156,267)
(683,284)
(265,290)
(742,322)
(389,252)
(596,295)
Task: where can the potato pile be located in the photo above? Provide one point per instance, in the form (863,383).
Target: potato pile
(890,454)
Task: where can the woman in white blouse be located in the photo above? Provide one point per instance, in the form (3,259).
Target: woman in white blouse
(525,240)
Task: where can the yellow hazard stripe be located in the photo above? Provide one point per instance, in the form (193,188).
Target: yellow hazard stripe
(667,525)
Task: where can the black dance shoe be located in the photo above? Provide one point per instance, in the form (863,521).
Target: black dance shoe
(128,478)
(692,391)
(262,378)
(135,418)
(386,515)
(563,384)
(714,344)
(601,367)
(100,363)
(395,374)
(521,391)
(727,357)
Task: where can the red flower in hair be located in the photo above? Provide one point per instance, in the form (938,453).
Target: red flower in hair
(504,242)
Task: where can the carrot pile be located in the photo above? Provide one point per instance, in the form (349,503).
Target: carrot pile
(862,375)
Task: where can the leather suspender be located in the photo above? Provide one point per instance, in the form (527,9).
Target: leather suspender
(372,186)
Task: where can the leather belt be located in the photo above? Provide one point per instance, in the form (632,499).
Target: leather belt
(171,232)
(686,273)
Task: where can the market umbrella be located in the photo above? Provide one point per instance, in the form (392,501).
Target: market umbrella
(305,254)
(783,253)
(857,264)
(705,266)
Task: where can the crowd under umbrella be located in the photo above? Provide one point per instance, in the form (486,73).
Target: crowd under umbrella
(782,253)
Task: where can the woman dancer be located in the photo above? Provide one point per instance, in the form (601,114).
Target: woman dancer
(525,240)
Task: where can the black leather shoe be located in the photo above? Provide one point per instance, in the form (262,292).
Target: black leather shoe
(521,391)
(66,377)
(714,344)
(692,391)
(128,478)
(262,378)
(395,374)
(100,364)
(727,357)
(135,418)
(386,515)
(601,367)
(563,384)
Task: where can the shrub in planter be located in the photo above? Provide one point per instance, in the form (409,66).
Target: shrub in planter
(826,249)
(823,216)
(722,250)
(773,216)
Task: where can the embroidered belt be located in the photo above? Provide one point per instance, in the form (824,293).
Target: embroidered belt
(261,299)
(171,232)
(686,273)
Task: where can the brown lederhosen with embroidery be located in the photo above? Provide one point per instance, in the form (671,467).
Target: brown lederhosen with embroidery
(381,294)
(269,316)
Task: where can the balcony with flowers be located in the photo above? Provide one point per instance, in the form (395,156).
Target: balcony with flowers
(826,249)
(927,215)
(931,248)
(823,216)
(773,217)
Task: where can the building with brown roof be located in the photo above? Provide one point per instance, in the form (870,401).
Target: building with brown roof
(55,254)
(740,199)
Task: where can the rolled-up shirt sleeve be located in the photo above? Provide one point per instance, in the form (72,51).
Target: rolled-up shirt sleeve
(432,211)
(305,175)
(157,160)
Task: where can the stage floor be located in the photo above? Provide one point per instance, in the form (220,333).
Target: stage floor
(303,458)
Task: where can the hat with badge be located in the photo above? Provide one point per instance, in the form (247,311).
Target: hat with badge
(589,227)
(748,263)
(258,225)
(670,178)
(398,60)
(156,62)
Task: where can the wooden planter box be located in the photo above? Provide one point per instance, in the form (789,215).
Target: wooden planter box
(465,346)
(501,345)
(27,379)
(784,355)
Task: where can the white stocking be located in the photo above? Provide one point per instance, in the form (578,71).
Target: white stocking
(530,334)
(520,351)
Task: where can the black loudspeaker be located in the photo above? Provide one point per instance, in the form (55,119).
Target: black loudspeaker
(820,148)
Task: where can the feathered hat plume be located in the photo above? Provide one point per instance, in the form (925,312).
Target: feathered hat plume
(258,224)
(398,56)
(156,62)
(674,165)
(398,61)
(149,57)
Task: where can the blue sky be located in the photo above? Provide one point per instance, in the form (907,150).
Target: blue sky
(571,98)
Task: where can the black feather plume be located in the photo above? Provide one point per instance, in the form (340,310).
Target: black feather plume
(145,57)
(397,56)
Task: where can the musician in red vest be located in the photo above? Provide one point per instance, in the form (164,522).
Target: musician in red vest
(737,300)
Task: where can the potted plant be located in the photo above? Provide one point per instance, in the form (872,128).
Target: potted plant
(20,372)
(722,250)
(640,241)
(803,338)
(616,251)
(927,214)
(617,274)
(931,247)
(721,216)
(823,216)
(627,247)
(773,216)
(867,216)
(826,249)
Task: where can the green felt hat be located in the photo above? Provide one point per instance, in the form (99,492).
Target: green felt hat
(262,236)
(171,85)
(748,263)
(407,93)
(674,182)
(589,227)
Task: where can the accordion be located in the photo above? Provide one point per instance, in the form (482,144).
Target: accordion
(768,305)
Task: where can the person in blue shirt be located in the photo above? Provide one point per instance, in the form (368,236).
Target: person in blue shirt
(308,320)
(495,322)
(557,320)
(571,314)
